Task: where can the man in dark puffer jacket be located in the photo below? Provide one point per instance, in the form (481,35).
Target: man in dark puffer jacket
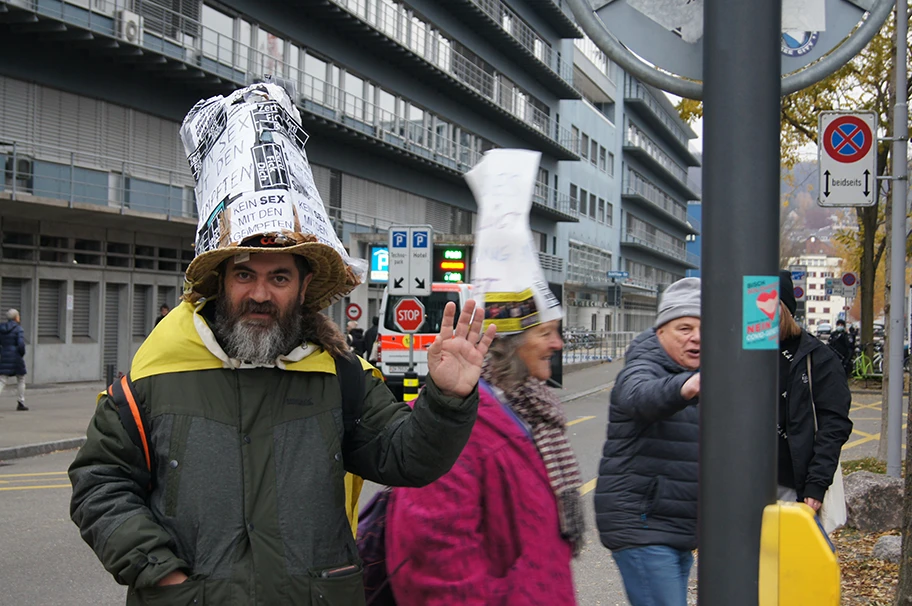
(646,496)
(12,352)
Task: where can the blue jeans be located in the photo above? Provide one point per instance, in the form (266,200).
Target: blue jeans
(654,575)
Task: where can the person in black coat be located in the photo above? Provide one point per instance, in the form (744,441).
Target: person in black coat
(807,457)
(840,343)
(12,352)
(646,494)
(370,336)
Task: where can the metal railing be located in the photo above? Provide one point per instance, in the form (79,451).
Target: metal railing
(594,346)
(637,138)
(426,42)
(635,89)
(639,282)
(80,177)
(228,58)
(550,197)
(644,238)
(551,262)
(596,55)
(635,183)
(514,25)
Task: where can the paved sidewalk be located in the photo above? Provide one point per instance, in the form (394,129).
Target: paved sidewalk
(59,414)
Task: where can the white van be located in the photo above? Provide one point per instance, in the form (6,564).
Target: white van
(393,349)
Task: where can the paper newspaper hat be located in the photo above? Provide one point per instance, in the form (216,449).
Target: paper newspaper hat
(255,193)
(507,279)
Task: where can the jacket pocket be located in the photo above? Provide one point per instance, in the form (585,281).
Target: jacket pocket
(653,495)
(188,593)
(177,447)
(337,587)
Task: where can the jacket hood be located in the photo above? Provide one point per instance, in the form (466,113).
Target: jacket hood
(646,345)
(8,327)
(806,345)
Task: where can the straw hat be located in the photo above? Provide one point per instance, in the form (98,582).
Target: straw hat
(256,194)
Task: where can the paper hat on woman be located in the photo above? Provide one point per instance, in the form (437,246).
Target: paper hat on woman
(255,193)
(508,282)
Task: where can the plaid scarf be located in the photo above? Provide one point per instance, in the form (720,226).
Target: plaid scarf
(536,405)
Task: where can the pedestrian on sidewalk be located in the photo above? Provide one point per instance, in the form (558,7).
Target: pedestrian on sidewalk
(12,356)
(840,343)
(242,496)
(646,494)
(814,407)
(162,312)
(504,524)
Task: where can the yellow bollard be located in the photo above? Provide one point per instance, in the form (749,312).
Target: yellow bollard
(410,386)
(798,564)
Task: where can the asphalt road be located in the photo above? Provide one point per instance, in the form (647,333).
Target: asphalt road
(44,561)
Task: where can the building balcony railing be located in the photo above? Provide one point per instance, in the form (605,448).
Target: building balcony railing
(636,185)
(549,199)
(330,102)
(438,51)
(78,177)
(642,283)
(556,17)
(503,17)
(553,266)
(656,244)
(636,90)
(636,139)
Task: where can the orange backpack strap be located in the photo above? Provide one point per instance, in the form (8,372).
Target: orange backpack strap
(132,415)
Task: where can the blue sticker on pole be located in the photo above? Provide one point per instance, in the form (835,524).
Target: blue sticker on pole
(761,312)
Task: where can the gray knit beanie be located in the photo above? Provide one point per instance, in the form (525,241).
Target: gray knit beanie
(680,300)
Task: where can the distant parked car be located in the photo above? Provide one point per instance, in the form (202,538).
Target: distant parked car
(824,330)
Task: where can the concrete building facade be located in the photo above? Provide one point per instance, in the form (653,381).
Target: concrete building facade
(97,219)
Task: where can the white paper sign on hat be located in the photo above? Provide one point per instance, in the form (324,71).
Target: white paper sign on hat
(507,278)
(255,191)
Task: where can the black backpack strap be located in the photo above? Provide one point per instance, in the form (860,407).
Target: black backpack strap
(132,415)
(351,381)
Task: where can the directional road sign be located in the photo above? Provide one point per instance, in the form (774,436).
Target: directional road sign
(410,259)
(408,315)
(847,158)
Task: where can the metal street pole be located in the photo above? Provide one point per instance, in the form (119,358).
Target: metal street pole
(898,248)
(738,402)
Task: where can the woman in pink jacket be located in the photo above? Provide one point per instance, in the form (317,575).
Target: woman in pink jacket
(502,526)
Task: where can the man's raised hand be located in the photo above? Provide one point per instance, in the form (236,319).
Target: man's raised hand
(457,354)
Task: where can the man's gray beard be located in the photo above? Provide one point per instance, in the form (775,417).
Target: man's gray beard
(253,342)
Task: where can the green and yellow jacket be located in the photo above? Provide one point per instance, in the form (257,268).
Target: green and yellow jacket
(249,491)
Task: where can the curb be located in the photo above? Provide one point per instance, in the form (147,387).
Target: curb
(33,450)
(582,394)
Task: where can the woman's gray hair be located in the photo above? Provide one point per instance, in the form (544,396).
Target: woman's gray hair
(505,369)
(12,315)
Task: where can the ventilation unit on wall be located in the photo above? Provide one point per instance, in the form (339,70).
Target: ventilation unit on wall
(129,27)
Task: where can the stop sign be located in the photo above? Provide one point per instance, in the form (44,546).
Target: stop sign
(408,314)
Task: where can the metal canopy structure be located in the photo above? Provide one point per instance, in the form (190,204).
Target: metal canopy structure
(672,59)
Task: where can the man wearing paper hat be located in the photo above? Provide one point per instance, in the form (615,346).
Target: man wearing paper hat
(512,533)
(215,472)
(646,494)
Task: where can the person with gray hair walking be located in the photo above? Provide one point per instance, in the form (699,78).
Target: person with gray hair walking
(12,352)
(646,494)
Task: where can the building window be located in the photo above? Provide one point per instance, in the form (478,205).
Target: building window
(601,210)
(88,252)
(593,152)
(574,204)
(812,310)
(50,295)
(592,206)
(576,138)
(584,197)
(584,147)
(826,310)
(603,161)
(610,214)
(218,35)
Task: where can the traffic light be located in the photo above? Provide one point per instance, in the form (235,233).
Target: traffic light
(450,264)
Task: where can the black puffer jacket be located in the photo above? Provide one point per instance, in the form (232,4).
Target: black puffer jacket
(814,458)
(647,485)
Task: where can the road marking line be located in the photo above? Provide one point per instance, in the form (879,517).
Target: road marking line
(579,420)
(584,489)
(36,487)
(874,406)
(31,475)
